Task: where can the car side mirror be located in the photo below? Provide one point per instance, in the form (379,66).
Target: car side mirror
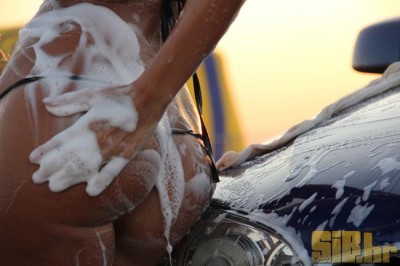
(377,47)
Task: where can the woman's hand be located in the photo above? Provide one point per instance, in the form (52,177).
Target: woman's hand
(119,121)
(98,145)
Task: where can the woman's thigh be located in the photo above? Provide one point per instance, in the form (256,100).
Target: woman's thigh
(38,226)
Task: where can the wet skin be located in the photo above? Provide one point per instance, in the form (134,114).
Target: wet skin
(124,224)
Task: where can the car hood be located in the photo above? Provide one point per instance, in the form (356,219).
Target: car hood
(357,149)
(343,174)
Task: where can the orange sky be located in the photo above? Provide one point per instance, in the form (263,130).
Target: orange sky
(290,58)
(285,59)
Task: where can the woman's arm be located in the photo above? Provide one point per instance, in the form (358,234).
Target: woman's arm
(196,33)
(198,30)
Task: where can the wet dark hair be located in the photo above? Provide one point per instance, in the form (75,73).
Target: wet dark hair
(168,19)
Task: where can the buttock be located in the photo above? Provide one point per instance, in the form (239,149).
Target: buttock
(170,209)
(150,205)
(168,184)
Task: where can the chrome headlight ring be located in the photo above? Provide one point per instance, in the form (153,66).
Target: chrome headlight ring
(224,239)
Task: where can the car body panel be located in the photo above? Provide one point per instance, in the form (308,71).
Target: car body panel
(342,175)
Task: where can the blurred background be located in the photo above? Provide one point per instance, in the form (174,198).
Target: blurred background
(283,61)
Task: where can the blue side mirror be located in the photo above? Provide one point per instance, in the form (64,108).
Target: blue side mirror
(377,47)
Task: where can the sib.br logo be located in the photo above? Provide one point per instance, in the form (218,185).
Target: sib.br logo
(348,247)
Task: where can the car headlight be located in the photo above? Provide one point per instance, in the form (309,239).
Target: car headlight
(221,239)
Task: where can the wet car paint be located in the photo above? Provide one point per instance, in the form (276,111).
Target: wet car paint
(342,175)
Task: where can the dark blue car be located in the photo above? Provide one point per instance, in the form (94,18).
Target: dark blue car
(330,195)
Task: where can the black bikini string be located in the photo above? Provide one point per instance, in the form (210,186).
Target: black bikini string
(19,83)
(204,133)
(168,21)
(33,79)
(198,97)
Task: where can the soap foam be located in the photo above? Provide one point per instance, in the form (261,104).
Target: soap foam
(359,213)
(110,55)
(389,80)
(289,234)
(170,183)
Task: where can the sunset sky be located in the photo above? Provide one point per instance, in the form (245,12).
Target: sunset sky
(285,59)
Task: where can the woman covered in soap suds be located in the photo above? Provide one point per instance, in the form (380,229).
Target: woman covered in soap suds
(93,107)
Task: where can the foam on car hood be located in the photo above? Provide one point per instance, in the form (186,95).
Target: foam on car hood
(389,79)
